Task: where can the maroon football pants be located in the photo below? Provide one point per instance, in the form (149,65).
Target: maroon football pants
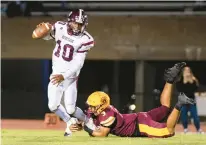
(149,124)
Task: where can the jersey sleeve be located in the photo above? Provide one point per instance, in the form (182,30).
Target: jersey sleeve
(107,118)
(87,43)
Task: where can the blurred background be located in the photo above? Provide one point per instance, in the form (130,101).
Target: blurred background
(135,43)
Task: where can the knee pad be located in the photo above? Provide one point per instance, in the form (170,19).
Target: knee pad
(53,107)
(70,109)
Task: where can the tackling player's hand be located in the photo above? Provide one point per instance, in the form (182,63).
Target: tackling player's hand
(75,127)
(57,79)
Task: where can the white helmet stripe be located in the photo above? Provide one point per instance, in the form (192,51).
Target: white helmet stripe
(69,15)
(80,15)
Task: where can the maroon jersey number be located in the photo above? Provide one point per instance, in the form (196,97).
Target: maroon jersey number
(66,47)
(62,23)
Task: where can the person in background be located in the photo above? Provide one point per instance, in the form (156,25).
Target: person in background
(64,5)
(189,85)
(13,9)
(34,6)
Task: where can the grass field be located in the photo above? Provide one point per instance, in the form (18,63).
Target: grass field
(54,137)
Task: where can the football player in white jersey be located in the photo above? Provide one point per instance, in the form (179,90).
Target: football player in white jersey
(72,46)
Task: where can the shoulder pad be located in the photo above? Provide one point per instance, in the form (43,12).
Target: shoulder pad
(59,24)
(87,36)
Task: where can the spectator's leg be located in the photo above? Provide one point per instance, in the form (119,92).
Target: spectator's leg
(193,110)
(184,117)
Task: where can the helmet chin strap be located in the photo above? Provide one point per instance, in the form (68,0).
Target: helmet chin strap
(95,109)
(99,108)
(83,28)
(74,32)
(77,32)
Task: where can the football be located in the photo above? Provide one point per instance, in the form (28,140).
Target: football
(41,30)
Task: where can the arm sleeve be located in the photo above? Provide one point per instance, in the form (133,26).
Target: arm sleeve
(85,47)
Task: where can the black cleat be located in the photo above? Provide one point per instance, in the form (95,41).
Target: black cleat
(183,99)
(173,74)
(67,134)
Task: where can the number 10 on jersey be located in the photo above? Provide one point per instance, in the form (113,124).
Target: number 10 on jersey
(66,48)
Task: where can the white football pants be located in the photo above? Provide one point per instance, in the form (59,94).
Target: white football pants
(68,89)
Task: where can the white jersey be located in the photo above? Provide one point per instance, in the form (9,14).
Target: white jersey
(70,51)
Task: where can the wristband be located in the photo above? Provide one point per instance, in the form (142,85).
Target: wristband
(90,131)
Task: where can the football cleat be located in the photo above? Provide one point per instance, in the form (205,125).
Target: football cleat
(173,74)
(185,131)
(68,132)
(200,131)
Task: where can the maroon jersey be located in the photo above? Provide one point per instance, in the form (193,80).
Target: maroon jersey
(142,124)
(120,124)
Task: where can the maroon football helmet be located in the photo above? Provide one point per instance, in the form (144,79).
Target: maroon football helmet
(79,17)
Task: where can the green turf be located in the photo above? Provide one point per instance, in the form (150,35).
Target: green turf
(52,137)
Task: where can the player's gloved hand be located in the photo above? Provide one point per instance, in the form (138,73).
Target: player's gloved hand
(56,79)
(90,131)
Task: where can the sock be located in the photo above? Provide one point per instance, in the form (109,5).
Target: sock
(61,112)
(178,106)
(80,115)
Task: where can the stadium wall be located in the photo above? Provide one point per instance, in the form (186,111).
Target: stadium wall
(120,43)
(23,92)
(116,38)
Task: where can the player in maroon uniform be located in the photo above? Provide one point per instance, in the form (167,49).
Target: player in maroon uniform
(142,124)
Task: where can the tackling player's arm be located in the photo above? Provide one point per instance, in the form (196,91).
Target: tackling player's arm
(101,132)
(104,129)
